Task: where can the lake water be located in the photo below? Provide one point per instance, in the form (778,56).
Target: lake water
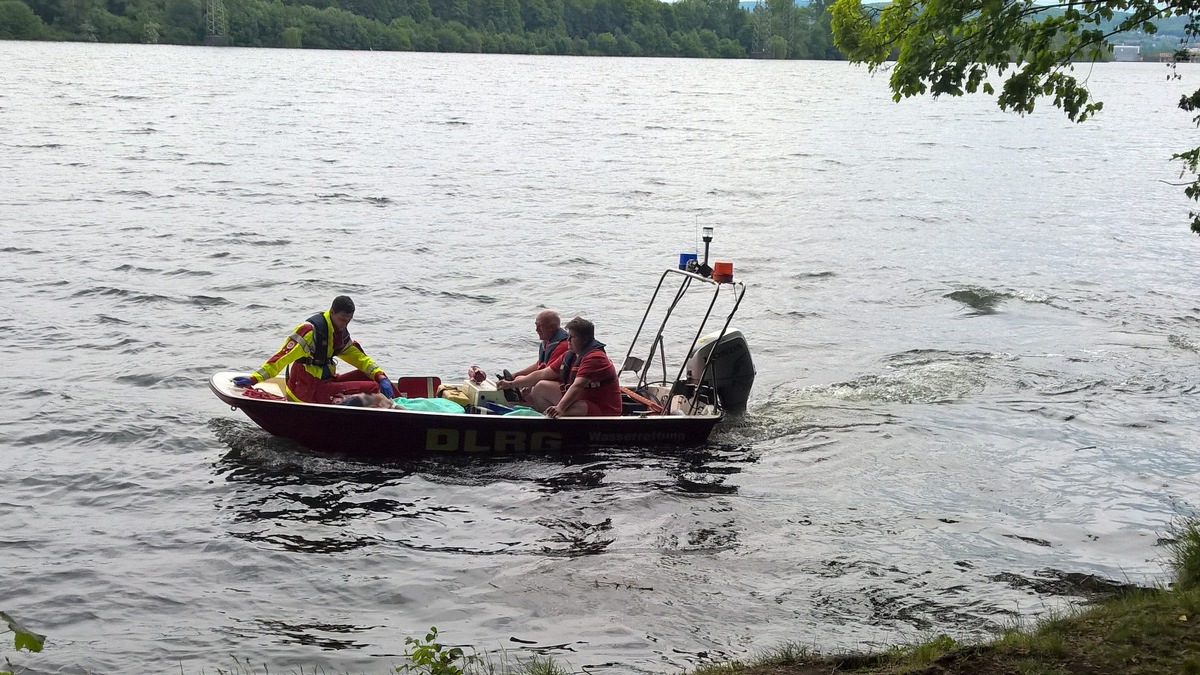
(977,339)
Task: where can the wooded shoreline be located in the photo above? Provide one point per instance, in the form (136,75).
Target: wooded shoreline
(689,28)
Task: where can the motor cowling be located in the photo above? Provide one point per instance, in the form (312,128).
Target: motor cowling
(730,371)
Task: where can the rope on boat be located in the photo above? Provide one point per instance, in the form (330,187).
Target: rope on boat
(649,403)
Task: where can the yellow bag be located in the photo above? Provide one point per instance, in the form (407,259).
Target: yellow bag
(453,393)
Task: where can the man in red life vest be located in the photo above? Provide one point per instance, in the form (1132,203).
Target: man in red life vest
(583,382)
(551,348)
(310,351)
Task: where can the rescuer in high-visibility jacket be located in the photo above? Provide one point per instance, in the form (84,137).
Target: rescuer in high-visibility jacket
(311,350)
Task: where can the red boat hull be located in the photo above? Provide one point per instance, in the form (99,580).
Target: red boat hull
(396,434)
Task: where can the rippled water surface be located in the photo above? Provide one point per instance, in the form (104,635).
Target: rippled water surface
(977,339)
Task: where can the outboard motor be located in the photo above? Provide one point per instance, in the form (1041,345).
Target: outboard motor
(731,371)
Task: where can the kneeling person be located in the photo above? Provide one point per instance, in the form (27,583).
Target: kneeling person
(584,382)
(312,351)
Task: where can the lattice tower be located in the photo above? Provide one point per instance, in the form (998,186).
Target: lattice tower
(762,30)
(216,23)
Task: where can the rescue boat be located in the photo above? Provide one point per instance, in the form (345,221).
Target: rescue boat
(665,402)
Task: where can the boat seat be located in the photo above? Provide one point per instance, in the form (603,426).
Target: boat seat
(416,387)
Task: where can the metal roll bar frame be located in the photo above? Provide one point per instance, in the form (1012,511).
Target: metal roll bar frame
(642,368)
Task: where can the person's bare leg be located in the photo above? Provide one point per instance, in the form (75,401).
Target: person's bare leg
(577,409)
(544,394)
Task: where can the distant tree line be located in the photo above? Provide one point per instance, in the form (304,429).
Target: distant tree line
(689,28)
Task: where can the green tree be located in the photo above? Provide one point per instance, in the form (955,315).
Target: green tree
(626,46)
(605,43)
(48,10)
(777,47)
(689,15)
(613,27)
(291,38)
(398,37)
(187,16)
(725,17)
(18,22)
(503,15)
(955,47)
(138,11)
(814,39)
(539,14)
(782,18)
(418,9)
(731,49)
(653,39)
(449,40)
(689,44)
(104,26)
(380,10)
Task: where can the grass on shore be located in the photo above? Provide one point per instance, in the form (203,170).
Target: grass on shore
(1140,631)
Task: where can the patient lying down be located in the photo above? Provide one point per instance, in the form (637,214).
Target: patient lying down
(367,401)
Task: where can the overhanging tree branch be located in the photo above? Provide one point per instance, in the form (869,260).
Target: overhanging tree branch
(953,46)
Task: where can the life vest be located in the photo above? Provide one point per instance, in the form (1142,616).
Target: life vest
(323,348)
(570,367)
(307,358)
(545,351)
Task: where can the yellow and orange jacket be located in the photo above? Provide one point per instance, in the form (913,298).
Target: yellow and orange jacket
(314,344)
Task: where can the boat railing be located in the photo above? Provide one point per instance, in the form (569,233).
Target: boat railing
(642,367)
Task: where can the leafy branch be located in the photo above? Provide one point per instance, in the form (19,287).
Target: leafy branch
(429,657)
(23,638)
(952,47)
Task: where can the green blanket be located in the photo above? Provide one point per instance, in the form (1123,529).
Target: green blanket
(443,405)
(523,411)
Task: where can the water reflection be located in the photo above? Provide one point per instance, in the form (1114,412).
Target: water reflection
(1057,582)
(287,498)
(571,537)
(304,633)
(878,606)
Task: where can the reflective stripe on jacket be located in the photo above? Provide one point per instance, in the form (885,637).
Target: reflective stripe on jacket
(313,345)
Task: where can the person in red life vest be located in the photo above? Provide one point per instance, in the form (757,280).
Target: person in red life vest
(310,352)
(583,382)
(551,348)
